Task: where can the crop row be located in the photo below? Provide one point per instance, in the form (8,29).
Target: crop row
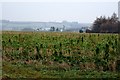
(71,48)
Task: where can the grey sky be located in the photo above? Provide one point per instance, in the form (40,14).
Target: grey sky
(83,12)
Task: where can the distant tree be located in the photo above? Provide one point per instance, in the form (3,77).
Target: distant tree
(57,29)
(106,25)
(114,18)
(119,27)
(80,31)
(63,27)
(52,28)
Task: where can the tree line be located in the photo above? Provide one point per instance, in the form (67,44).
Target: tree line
(105,25)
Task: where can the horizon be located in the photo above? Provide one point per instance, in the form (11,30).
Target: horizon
(43,21)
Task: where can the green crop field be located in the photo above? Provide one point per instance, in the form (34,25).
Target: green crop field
(59,55)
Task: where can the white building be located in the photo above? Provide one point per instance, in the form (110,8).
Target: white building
(119,10)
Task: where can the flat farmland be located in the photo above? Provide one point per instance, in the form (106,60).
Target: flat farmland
(59,55)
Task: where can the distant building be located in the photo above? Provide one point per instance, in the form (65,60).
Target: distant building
(119,10)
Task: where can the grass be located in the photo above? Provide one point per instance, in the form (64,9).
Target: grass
(22,70)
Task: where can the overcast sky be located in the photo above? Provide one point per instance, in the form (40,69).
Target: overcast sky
(45,11)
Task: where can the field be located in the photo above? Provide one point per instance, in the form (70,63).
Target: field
(59,55)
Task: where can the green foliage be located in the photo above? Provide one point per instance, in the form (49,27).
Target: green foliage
(71,50)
